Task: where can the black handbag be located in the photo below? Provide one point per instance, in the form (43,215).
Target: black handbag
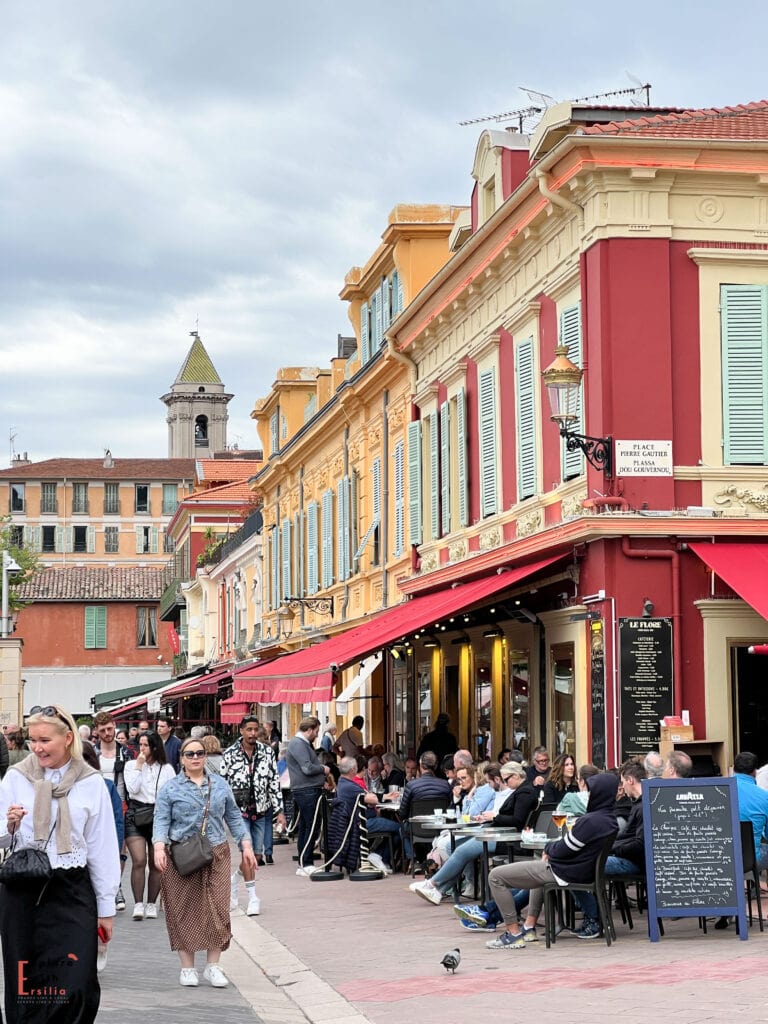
(193,852)
(144,814)
(28,866)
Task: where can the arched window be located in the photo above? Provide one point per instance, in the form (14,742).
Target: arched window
(201,432)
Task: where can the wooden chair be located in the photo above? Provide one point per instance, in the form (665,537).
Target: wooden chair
(596,886)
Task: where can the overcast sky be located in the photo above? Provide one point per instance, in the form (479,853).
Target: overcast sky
(231,161)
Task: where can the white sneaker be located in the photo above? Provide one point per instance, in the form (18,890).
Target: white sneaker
(101,959)
(138,912)
(428,892)
(234,903)
(214,974)
(150,911)
(306,872)
(254,905)
(189,977)
(376,861)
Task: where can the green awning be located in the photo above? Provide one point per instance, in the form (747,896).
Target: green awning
(102,700)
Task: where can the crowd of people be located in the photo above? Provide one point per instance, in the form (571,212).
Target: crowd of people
(91,797)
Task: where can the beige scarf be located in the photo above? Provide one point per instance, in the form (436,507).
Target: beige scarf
(45,792)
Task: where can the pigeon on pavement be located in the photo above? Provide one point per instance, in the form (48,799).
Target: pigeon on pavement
(452,960)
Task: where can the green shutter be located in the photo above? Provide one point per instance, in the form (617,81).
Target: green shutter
(313,577)
(445,466)
(488,444)
(572,463)
(744,331)
(399,474)
(461,456)
(90,628)
(90,539)
(415,525)
(365,337)
(525,409)
(101,626)
(153,536)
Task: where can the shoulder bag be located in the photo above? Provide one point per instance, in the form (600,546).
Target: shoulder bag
(27,866)
(194,852)
(144,814)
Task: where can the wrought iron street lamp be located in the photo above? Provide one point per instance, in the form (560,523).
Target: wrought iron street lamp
(321,605)
(562,379)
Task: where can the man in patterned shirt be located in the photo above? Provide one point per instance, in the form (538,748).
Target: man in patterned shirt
(251,770)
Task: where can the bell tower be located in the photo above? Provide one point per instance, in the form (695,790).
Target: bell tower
(197,407)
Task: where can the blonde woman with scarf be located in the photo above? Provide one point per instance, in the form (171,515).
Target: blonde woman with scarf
(54,801)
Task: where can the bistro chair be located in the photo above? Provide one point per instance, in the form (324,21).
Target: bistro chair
(418,834)
(596,886)
(751,872)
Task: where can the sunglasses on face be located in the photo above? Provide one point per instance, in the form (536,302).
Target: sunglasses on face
(193,753)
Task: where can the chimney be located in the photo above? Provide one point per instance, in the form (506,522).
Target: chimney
(20,460)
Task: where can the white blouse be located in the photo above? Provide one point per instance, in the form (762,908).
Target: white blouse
(94,835)
(142,783)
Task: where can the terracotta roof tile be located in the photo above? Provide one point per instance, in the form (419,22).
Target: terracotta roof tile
(95,583)
(238,493)
(226,470)
(745,121)
(94,469)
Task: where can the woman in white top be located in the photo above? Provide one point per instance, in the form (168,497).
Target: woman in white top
(54,801)
(144,778)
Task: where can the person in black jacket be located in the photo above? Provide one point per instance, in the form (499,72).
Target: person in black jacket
(439,741)
(571,859)
(628,853)
(513,813)
(426,787)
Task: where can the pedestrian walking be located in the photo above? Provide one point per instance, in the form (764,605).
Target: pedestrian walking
(144,778)
(197,905)
(54,801)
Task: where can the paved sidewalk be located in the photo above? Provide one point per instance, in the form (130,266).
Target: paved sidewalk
(356,952)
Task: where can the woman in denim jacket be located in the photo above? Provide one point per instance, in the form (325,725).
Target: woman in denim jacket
(197,906)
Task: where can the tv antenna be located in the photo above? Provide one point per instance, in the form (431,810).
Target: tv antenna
(11,438)
(541,101)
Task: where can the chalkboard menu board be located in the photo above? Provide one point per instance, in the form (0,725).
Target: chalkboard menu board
(645,647)
(597,687)
(693,850)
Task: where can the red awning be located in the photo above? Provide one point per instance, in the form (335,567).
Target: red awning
(206,683)
(744,567)
(233,710)
(306,675)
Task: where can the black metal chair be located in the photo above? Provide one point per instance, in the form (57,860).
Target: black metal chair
(596,886)
(417,834)
(751,872)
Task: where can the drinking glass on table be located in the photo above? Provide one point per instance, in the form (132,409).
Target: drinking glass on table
(559,820)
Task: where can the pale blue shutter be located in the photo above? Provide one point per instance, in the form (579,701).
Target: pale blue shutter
(396,294)
(434,477)
(139,540)
(400,300)
(285,544)
(744,331)
(274,576)
(327,538)
(343,527)
(415,525)
(273,433)
(32,538)
(153,540)
(386,317)
(69,539)
(461,457)
(375,322)
(90,539)
(445,466)
(379,321)
(488,445)
(399,481)
(58,542)
(365,337)
(525,406)
(376,484)
(570,336)
(298,554)
(313,577)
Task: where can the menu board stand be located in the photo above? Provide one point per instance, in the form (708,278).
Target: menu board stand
(693,850)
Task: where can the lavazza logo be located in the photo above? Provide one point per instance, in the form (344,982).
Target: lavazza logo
(689,796)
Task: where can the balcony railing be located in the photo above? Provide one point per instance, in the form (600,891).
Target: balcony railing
(251,525)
